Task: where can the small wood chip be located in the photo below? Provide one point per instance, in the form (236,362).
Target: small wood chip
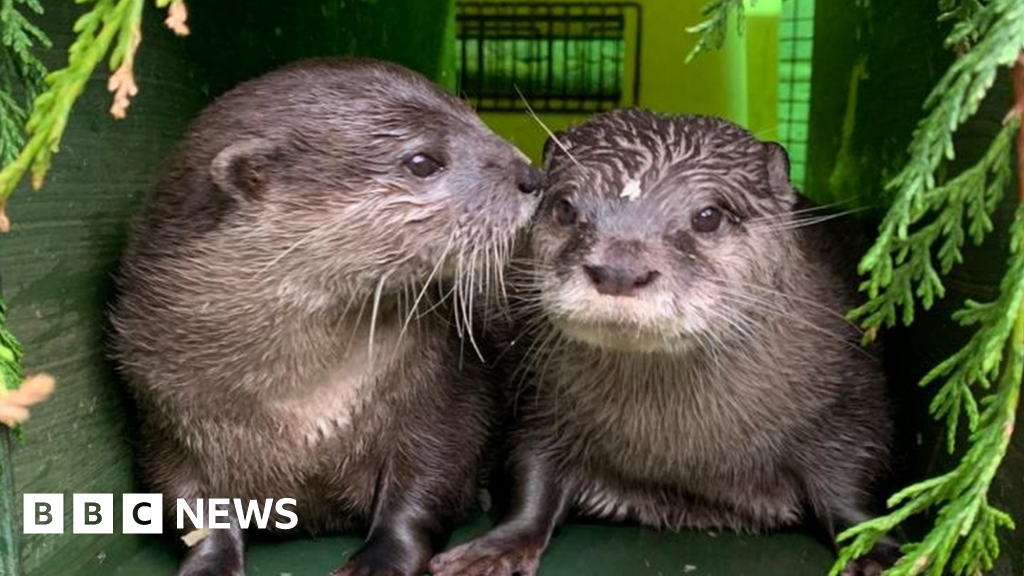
(195,537)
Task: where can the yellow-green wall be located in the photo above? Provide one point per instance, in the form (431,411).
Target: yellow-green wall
(737,82)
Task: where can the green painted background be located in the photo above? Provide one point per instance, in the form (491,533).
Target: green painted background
(737,82)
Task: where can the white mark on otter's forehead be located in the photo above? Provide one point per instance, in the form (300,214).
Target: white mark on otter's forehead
(631,190)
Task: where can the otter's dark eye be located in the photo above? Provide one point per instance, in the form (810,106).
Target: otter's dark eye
(707,219)
(423,166)
(565,213)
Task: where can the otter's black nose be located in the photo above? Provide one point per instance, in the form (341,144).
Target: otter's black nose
(529,179)
(618,281)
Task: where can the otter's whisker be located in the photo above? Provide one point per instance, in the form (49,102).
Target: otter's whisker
(529,109)
(810,209)
(795,223)
(427,283)
(314,234)
(777,310)
(790,297)
(376,309)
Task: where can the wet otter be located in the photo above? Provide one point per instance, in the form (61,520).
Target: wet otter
(688,362)
(277,319)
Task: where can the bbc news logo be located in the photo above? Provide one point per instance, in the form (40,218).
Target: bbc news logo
(143,513)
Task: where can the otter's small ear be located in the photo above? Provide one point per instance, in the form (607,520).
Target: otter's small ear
(777,161)
(243,168)
(551,145)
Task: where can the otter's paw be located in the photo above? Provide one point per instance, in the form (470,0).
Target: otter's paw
(882,557)
(489,557)
(873,563)
(863,567)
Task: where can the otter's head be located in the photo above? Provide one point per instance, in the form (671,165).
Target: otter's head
(655,229)
(354,176)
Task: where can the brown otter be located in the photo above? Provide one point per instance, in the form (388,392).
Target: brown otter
(688,362)
(277,320)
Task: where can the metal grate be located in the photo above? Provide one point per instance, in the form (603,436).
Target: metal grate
(796,41)
(563,57)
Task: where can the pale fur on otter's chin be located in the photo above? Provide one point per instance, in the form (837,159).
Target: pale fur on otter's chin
(649,323)
(615,338)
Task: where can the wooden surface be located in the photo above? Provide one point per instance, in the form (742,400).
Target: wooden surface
(236,40)
(577,550)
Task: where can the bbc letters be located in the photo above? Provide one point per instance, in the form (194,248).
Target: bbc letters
(143,513)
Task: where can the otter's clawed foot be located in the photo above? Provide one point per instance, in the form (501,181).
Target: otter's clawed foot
(489,557)
(863,567)
(875,562)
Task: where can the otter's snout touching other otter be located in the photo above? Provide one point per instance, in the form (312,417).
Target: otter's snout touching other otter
(688,364)
(277,320)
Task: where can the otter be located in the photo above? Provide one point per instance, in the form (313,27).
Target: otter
(280,319)
(686,362)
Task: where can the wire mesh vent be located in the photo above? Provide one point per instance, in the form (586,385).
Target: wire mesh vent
(796,41)
(563,57)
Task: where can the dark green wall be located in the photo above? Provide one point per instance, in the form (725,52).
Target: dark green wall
(237,40)
(57,261)
(874,64)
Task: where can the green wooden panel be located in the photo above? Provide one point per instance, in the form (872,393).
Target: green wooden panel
(577,550)
(872,68)
(237,40)
(57,265)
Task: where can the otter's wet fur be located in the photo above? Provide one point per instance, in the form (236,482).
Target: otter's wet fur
(278,320)
(686,363)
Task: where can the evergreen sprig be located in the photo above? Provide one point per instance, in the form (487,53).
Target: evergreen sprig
(964,536)
(947,213)
(21,79)
(929,221)
(713,29)
(21,72)
(11,373)
(11,351)
(97,30)
(110,30)
(998,27)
